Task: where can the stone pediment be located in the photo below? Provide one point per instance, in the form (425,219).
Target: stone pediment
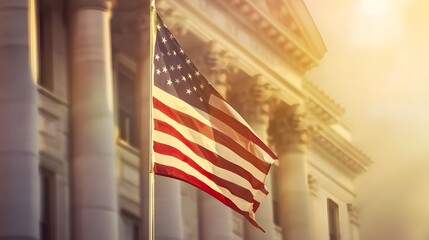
(286,24)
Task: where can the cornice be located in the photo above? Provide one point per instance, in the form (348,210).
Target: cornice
(321,104)
(343,151)
(272,32)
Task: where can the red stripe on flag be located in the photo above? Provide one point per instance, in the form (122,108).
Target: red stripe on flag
(210,156)
(235,189)
(180,175)
(212,133)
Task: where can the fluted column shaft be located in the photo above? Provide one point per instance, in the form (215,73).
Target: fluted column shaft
(216,219)
(168,209)
(95,204)
(288,132)
(19,164)
(295,205)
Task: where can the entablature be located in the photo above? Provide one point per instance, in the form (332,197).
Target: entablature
(253,28)
(339,147)
(322,105)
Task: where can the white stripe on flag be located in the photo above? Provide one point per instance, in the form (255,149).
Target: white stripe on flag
(206,165)
(211,145)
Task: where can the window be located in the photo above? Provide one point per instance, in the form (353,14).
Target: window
(129,227)
(275,195)
(46,204)
(44,34)
(333,220)
(127,114)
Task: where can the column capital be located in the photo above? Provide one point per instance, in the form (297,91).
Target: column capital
(288,128)
(217,59)
(173,19)
(130,30)
(104,5)
(93,124)
(252,98)
(216,64)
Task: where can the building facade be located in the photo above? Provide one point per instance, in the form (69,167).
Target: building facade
(73,73)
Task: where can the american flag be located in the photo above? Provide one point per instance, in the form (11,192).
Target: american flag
(199,138)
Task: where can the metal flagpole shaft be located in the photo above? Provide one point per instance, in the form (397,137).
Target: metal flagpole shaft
(152,40)
(145,85)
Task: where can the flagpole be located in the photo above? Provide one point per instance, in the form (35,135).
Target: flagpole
(152,39)
(145,85)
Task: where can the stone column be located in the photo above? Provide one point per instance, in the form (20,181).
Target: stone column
(288,134)
(19,157)
(217,220)
(94,202)
(251,98)
(168,209)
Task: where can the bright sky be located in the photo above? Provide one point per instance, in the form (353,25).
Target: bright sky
(377,68)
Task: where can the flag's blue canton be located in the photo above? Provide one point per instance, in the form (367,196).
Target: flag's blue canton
(176,74)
